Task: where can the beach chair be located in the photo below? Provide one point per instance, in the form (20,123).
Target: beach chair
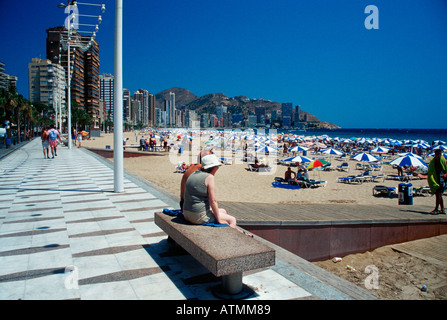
(226,161)
(397,177)
(259,169)
(316,184)
(278,184)
(252,168)
(379,177)
(422,191)
(311,184)
(364,177)
(347,179)
(343,167)
(381,190)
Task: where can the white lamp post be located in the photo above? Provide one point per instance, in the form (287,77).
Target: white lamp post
(118,111)
(84,46)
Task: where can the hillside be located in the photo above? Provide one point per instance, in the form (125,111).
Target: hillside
(238,104)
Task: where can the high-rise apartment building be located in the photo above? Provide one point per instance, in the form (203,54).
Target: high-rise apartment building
(171,114)
(143,96)
(91,83)
(107,93)
(84,67)
(3,76)
(46,82)
(5,79)
(126,105)
(286,110)
(151,110)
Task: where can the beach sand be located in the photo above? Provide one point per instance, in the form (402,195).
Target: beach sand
(235,183)
(401,275)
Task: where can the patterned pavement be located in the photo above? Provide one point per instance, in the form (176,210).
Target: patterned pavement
(64,234)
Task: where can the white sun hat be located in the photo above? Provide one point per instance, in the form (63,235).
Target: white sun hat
(210,161)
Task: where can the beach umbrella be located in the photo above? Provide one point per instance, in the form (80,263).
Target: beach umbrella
(298,148)
(433,154)
(439,142)
(408,161)
(442,147)
(380,150)
(266,149)
(364,157)
(317,163)
(297,159)
(421,145)
(410,154)
(332,151)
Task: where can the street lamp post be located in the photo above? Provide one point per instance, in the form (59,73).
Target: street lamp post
(78,44)
(118,111)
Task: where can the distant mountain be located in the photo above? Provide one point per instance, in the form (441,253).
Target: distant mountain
(238,104)
(182,97)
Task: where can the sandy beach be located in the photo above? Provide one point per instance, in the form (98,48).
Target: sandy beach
(401,275)
(235,183)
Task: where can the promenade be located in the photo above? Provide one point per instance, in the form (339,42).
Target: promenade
(64,234)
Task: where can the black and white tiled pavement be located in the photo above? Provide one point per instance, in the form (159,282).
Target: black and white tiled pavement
(64,234)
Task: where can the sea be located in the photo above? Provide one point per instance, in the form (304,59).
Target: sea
(429,135)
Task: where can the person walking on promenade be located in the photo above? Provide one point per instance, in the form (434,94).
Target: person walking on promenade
(53,137)
(437,169)
(73,135)
(79,137)
(45,143)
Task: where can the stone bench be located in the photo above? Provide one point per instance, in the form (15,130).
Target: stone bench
(224,251)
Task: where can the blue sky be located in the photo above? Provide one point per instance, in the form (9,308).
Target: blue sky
(317,54)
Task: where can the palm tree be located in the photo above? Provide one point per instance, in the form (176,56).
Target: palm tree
(24,112)
(8,104)
(80,116)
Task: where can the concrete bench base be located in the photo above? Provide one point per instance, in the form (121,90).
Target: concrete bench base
(225,252)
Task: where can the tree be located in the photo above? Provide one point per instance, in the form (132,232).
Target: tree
(42,114)
(8,104)
(24,114)
(79,116)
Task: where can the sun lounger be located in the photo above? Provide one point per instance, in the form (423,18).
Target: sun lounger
(373,167)
(311,184)
(397,177)
(226,161)
(343,167)
(380,190)
(364,177)
(252,168)
(378,178)
(422,191)
(348,179)
(286,185)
